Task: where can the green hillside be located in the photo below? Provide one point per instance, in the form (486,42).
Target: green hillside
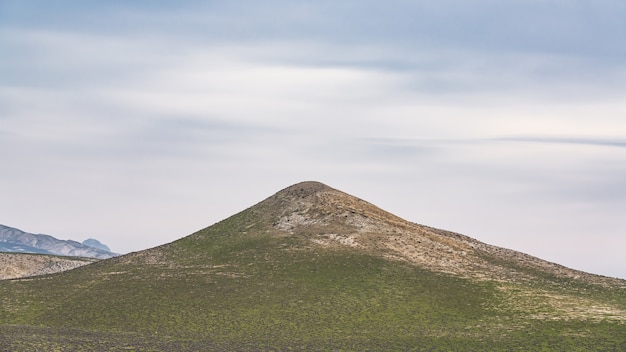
(322,283)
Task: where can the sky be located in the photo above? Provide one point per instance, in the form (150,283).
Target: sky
(140,122)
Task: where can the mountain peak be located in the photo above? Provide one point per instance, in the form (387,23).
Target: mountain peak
(319,216)
(304,189)
(311,196)
(94,243)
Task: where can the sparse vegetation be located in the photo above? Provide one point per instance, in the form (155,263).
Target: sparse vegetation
(248,284)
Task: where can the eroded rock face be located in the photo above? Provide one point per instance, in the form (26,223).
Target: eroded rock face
(329,217)
(19,265)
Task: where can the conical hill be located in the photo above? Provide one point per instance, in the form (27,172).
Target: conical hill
(320,216)
(312,268)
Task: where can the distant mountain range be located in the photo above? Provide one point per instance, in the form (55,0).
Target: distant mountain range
(13,240)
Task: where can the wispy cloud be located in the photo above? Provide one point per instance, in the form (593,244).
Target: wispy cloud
(603,142)
(477,116)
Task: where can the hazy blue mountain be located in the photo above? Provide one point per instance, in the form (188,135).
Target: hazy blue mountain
(20,248)
(91,242)
(17,241)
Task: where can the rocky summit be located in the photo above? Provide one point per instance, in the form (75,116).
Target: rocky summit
(313,269)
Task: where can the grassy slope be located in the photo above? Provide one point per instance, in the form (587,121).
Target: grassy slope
(225,289)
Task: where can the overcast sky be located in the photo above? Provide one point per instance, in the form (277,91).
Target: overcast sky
(137,123)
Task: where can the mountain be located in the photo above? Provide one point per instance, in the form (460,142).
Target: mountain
(91,242)
(18,241)
(312,268)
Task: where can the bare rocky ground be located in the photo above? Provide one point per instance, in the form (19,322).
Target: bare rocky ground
(332,218)
(20,265)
